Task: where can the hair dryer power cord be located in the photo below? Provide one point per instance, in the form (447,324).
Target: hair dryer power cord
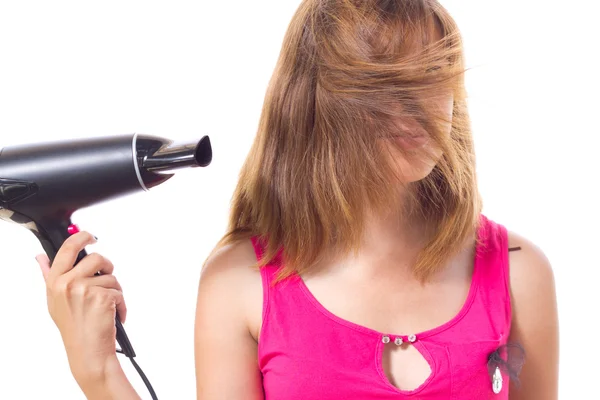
(142,375)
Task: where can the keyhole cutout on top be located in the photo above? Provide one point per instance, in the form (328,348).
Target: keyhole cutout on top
(404,366)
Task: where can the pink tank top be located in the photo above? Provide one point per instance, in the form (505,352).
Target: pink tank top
(305,352)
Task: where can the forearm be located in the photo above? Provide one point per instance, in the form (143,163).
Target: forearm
(112,384)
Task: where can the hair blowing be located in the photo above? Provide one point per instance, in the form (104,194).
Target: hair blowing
(348,72)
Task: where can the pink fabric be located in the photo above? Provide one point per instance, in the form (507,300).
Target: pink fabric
(306,352)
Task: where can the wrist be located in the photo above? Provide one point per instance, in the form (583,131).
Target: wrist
(107,383)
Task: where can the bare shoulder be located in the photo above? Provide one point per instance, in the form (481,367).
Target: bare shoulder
(233,262)
(530,269)
(229,276)
(534,319)
(228,312)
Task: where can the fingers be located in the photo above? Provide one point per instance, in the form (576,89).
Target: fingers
(105,281)
(98,292)
(112,288)
(116,297)
(91,264)
(86,272)
(82,282)
(68,252)
(121,306)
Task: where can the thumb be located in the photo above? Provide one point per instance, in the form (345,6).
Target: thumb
(44,263)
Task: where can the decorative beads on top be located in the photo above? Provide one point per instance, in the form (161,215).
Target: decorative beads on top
(398,341)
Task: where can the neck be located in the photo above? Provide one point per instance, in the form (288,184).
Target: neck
(398,234)
(390,241)
(394,233)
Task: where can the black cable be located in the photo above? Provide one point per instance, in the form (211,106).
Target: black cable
(142,375)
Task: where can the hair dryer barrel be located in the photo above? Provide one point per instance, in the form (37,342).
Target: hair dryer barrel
(63,176)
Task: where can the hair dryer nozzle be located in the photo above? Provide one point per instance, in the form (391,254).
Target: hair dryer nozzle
(175,155)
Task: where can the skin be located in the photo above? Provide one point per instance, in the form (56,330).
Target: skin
(229,308)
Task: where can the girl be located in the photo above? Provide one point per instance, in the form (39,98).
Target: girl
(379,277)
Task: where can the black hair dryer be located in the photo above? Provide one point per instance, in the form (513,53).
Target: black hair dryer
(43,184)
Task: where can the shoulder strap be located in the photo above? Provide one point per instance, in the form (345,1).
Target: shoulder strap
(495,271)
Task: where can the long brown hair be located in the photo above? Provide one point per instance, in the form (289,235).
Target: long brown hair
(347,70)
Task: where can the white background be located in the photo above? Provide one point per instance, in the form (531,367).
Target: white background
(184,69)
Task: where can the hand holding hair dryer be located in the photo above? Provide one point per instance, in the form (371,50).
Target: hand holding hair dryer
(43,184)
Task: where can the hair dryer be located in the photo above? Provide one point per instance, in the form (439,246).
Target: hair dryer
(43,184)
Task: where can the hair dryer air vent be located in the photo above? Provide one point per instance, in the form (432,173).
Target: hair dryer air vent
(175,155)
